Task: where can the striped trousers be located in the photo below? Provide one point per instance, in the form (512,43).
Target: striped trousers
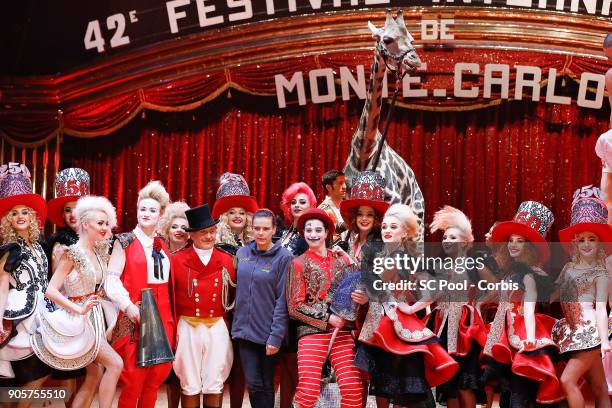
(312,350)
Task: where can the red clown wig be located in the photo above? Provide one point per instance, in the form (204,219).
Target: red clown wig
(293,190)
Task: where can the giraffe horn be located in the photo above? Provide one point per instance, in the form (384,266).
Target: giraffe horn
(400,19)
(389,19)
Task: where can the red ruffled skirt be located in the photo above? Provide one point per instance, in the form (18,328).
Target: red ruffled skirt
(404,334)
(471,327)
(537,364)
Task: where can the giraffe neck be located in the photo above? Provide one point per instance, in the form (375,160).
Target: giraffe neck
(370,116)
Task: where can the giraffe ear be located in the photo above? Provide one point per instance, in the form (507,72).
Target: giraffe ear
(374,30)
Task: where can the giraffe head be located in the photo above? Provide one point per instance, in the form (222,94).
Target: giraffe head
(395,42)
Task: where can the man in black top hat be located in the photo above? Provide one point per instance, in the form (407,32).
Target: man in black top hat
(204,277)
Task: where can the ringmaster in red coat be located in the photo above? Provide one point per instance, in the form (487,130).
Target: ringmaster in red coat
(204,279)
(140,260)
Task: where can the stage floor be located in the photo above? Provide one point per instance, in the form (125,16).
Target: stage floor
(162,402)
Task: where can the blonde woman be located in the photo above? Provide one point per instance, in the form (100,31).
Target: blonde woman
(582,335)
(23,278)
(234,208)
(74,335)
(172,226)
(140,259)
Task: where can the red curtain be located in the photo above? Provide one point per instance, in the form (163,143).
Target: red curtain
(25,125)
(484,162)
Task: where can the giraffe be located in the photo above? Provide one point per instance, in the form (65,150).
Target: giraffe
(394,41)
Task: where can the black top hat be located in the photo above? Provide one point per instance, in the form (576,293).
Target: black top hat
(199,218)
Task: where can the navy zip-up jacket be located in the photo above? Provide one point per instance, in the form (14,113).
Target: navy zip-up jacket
(260,315)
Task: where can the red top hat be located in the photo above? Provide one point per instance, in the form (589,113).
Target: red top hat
(368,189)
(16,189)
(532,221)
(70,185)
(316,214)
(588,215)
(233,192)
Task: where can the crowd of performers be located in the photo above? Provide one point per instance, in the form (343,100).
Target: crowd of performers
(244,298)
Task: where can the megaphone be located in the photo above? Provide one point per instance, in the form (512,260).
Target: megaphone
(153,345)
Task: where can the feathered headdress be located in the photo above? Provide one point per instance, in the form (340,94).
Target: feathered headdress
(451,217)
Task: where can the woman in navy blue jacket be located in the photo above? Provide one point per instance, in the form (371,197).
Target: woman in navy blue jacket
(260,317)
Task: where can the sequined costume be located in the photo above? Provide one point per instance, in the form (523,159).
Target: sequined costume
(59,242)
(68,341)
(508,330)
(27,287)
(461,331)
(231,247)
(578,329)
(402,356)
(296,244)
(355,248)
(308,283)
(293,241)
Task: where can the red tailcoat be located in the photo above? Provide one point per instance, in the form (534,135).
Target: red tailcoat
(199,286)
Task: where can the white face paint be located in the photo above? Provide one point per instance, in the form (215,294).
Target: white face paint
(392,229)
(148,213)
(315,234)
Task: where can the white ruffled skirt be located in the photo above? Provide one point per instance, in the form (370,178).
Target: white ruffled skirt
(68,341)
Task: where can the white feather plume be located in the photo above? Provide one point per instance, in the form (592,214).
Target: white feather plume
(451,217)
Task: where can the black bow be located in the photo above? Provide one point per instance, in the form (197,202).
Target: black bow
(15,257)
(158,267)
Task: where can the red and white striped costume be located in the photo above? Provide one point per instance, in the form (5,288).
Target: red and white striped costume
(308,283)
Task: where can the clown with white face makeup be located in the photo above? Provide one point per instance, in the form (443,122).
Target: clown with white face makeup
(295,201)
(308,282)
(583,333)
(520,339)
(140,259)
